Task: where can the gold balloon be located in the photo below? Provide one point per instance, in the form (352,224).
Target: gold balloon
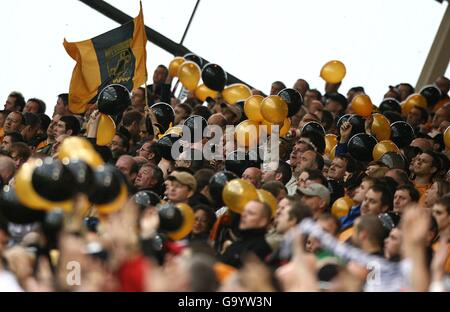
(330,142)
(106,130)
(332,153)
(175,65)
(381,127)
(189,75)
(178,130)
(447,137)
(26,193)
(267,197)
(72,143)
(333,71)
(187,225)
(247,133)
(236,92)
(252,108)
(362,105)
(413,100)
(265,128)
(202,92)
(274,109)
(382,148)
(341,206)
(237,193)
(286,127)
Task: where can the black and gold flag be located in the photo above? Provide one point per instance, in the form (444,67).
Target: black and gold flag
(115,57)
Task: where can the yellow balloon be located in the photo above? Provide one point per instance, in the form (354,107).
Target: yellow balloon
(237,193)
(274,109)
(413,100)
(106,130)
(187,225)
(202,92)
(382,148)
(178,130)
(175,65)
(189,75)
(265,128)
(333,71)
(341,206)
(447,137)
(332,153)
(252,108)
(77,147)
(236,92)
(330,142)
(362,105)
(26,193)
(286,127)
(381,127)
(247,133)
(267,197)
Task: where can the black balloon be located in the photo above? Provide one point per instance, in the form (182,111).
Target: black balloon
(237,161)
(217,183)
(293,99)
(317,139)
(164,115)
(432,94)
(393,160)
(402,133)
(196,125)
(113,99)
(358,124)
(390,104)
(313,126)
(83,175)
(164,145)
(194,58)
(14,211)
(361,145)
(342,119)
(170,217)
(144,199)
(107,185)
(214,77)
(336,190)
(53,181)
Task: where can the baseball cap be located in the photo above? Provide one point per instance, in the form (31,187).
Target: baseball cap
(316,189)
(184,178)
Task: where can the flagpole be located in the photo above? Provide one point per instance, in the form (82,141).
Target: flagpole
(190,21)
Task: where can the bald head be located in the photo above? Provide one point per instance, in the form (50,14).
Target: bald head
(422,143)
(128,166)
(217,119)
(253,175)
(7,169)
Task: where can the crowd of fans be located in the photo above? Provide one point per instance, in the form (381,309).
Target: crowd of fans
(399,221)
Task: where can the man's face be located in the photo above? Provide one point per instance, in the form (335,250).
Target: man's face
(360,192)
(275,89)
(308,160)
(337,169)
(414,117)
(13,122)
(252,175)
(310,96)
(252,217)
(297,152)
(441,216)
(31,107)
(333,106)
(284,223)
(18,161)
(124,164)
(177,192)
(180,114)
(144,178)
(138,98)
(60,108)
(10,103)
(401,200)
(301,87)
(283,204)
(6,144)
(372,204)
(393,243)
(159,75)
(117,146)
(423,165)
(315,203)
(59,129)
(144,151)
(440,116)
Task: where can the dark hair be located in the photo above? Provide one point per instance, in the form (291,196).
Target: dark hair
(393,116)
(436,161)
(201,111)
(423,113)
(299,210)
(187,109)
(318,94)
(45,121)
(319,161)
(20,100)
(351,165)
(202,177)
(412,191)
(444,201)
(71,123)
(327,119)
(64,98)
(31,119)
(125,140)
(374,227)
(328,216)
(285,170)
(131,116)
(154,149)
(316,174)
(356,89)
(274,187)
(387,197)
(410,152)
(22,150)
(41,105)
(402,176)
(209,213)
(341,99)
(15,137)
(409,86)
(280,83)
